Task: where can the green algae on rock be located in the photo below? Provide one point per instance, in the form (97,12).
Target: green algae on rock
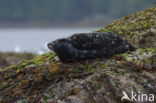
(44,79)
(10,58)
(34,79)
(139,29)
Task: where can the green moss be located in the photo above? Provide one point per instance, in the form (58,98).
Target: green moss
(139,53)
(150,61)
(135,90)
(46,98)
(128,27)
(104,66)
(91,70)
(152,50)
(117,82)
(23,101)
(37,61)
(3,84)
(111,72)
(76,70)
(4,69)
(131,34)
(44,57)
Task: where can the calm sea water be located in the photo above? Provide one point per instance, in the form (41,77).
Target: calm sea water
(33,39)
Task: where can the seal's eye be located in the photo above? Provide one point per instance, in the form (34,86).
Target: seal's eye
(50,46)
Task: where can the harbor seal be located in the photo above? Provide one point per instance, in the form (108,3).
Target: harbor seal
(84,46)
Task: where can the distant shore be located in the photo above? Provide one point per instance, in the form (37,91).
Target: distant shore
(45,23)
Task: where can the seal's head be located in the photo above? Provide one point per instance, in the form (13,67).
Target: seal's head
(56,44)
(62,48)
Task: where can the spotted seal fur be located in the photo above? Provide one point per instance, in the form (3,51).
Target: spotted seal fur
(84,46)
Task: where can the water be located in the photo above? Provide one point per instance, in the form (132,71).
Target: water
(33,39)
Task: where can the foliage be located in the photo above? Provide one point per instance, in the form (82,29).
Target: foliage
(19,10)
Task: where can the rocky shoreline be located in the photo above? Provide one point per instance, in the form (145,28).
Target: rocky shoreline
(11,58)
(44,79)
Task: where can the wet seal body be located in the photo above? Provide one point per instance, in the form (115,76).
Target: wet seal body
(84,46)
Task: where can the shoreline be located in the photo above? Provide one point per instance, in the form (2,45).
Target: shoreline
(46,23)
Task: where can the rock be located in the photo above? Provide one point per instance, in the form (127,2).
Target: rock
(138,29)
(86,46)
(46,80)
(11,58)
